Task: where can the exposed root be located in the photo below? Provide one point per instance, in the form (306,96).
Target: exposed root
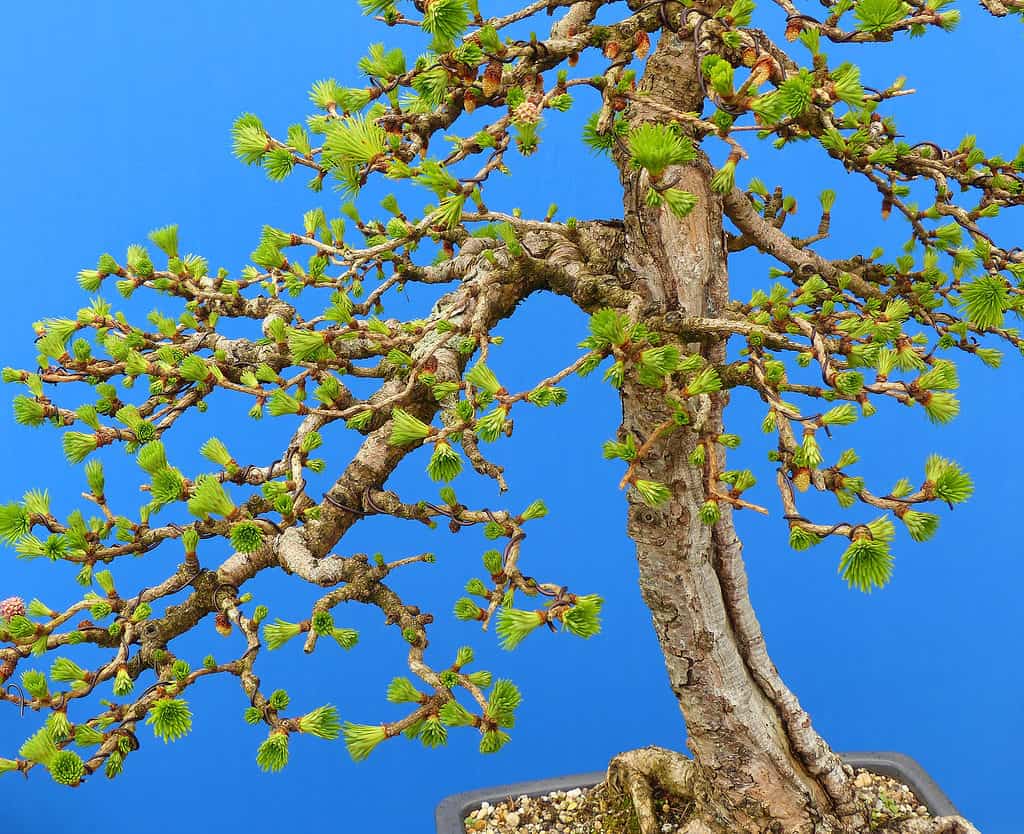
(636,773)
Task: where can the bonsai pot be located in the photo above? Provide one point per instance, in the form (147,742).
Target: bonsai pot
(453,810)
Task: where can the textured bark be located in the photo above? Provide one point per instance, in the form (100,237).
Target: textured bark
(759,763)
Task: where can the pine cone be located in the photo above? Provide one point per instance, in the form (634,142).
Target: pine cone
(526,114)
(642,44)
(222,624)
(492,78)
(11,607)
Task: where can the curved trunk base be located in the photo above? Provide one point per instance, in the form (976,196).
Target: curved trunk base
(637,774)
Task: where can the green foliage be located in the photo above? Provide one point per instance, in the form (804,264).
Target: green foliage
(433,733)
(801,539)
(537,509)
(247,537)
(66,767)
(625,450)
(272,755)
(710,513)
(152,457)
(493,740)
(345,637)
(502,703)
(652,493)
(921,526)
(28,412)
(67,670)
(216,452)
(840,415)
(679,202)
(361,739)
(941,406)
(607,327)
(405,428)
(583,619)
(704,382)
(480,376)
(985,299)
(867,563)
(401,691)
(171,719)
(86,736)
(282,403)
(78,446)
(390,128)
(250,140)
(445,463)
(209,498)
(878,15)
(35,684)
(548,395)
(515,625)
(280,632)
(445,20)
(724,179)
(491,425)
(323,623)
(948,481)
(455,715)
(603,143)
(848,89)
(353,140)
(166,240)
(655,147)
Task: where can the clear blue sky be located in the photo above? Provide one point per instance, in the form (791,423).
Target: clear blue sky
(117,119)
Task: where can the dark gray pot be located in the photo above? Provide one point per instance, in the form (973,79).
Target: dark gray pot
(452,811)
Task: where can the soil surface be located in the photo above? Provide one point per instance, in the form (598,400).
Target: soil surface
(595,811)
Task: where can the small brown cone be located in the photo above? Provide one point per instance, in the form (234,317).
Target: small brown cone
(642,43)
(222,624)
(802,479)
(526,113)
(761,71)
(492,78)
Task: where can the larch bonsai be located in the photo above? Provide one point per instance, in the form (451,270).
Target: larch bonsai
(672,84)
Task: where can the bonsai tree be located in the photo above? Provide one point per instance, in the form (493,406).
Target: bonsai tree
(673,86)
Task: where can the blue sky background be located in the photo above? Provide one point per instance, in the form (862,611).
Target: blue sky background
(117,119)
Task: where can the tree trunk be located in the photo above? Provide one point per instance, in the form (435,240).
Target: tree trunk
(758,764)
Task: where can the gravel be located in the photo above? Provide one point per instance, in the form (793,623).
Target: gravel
(593,811)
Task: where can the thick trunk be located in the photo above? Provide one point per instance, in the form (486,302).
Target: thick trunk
(759,763)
